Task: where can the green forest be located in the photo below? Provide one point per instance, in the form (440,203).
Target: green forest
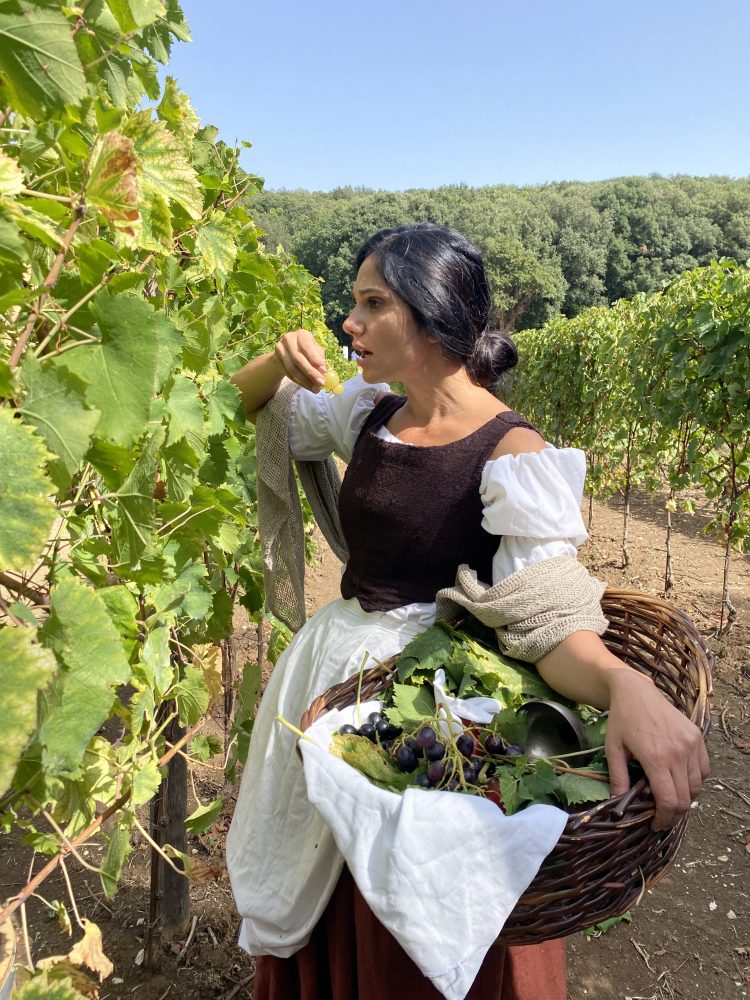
(551,250)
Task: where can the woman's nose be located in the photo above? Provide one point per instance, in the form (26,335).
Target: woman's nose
(352,324)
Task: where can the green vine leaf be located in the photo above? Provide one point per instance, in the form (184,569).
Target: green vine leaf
(27,668)
(118,848)
(176,110)
(81,634)
(132,14)
(26,513)
(216,245)
(191,696)
(120,371)
(39,58)
(203,817)
(575,788)
(56,405)
(48,986)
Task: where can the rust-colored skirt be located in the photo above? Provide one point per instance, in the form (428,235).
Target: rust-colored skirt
(351,956)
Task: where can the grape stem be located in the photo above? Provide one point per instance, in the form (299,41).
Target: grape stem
(365,658)
(294,729)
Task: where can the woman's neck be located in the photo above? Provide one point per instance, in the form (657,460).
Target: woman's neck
(444,406)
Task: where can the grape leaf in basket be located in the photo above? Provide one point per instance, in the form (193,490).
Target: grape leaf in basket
(509,778)
(574,789)
(369,760)
(427,651)
(411,704)
(512,726)
(539,783)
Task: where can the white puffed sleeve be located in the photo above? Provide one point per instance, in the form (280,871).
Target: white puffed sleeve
(322,423)
(534,501)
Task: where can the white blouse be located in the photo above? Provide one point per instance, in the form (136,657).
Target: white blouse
(532,500)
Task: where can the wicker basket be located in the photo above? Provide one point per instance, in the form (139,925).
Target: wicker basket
(607,855)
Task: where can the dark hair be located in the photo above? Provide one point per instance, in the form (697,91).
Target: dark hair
(441,277)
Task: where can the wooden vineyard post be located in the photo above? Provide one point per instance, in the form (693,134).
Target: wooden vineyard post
(175,888)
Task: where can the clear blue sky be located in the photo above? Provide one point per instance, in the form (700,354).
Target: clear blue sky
(396,94)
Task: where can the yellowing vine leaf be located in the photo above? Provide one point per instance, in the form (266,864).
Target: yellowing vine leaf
(113,184)
(163,165)
(11,175)
(208,660)
(89,951)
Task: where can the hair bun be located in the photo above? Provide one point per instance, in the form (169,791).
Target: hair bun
(493,355)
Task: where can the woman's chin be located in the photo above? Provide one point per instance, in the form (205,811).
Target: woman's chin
(367,371)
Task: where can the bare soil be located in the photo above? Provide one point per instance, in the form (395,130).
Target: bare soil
(690,935)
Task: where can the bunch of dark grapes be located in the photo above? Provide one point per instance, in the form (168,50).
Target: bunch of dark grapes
(377,729)
(465,762)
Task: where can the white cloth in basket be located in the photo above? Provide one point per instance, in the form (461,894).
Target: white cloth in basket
(441,870)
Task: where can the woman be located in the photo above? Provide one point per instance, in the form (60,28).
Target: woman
(446,475)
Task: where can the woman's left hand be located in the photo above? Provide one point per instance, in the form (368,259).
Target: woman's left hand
(669,747)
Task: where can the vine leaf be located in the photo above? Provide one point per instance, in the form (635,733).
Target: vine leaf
(187,418)
(411,704)
(55,404)
(156,223)
(217,245)
(133,527)
(11,175)
(203,817)
(191,696)
(27,669)
(80,632)
(156,659)
(163,166)
(26,513)
(113,183)
(188,595)
(132,14)
(145,783)
(118,848)
(156,38)
(121,369)
(51,985)
(13,253)
(39,58)
(177,112)
(575,788)
(207,658)
(89,951)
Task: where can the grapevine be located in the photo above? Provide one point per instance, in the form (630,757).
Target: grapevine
(133,284)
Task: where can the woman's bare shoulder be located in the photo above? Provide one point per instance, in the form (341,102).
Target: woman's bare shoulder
(519,441)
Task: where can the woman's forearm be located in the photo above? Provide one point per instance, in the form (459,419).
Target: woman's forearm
(297,356)
(257,381)
(582,668)
(643,724)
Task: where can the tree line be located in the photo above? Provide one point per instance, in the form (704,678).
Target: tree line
(552,250)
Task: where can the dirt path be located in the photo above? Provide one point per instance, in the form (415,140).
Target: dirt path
(690,935)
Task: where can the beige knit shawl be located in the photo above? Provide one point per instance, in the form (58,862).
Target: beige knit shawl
(532,610)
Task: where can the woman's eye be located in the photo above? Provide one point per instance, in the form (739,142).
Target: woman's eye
(373,303)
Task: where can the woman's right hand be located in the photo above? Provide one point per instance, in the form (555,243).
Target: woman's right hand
(301,358)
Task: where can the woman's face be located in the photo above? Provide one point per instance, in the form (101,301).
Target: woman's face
(390,344)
